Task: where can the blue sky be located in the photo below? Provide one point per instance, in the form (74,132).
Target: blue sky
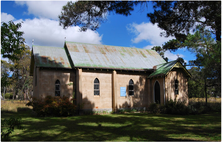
(40,22)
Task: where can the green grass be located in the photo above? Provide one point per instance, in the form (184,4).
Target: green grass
(117,127)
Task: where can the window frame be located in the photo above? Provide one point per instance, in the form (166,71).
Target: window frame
(176,87)
(131,87)
(57,83)
(95,89)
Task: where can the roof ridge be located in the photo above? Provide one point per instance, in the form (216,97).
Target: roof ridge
(110,45)
(47,46)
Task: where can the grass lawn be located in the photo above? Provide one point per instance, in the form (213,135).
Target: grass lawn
(116,127)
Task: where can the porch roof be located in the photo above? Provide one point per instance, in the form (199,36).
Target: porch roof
(165,68)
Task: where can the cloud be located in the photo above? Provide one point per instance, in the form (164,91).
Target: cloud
(148,32)
(47,32)
(167,54)
(6,17)
(43,9)
(172,56)
(149,46)
(151,34)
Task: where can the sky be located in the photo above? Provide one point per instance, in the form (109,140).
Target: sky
(40,23)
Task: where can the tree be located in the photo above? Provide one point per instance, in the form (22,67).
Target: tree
(11,40)
(196,83)
(5,79)
(21,80)
(178,18)
(160,51)
(208,53)
(90,14)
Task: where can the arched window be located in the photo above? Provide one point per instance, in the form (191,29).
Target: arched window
(131,87)
(57,88)
(176,87)
(96,86)
(157,92)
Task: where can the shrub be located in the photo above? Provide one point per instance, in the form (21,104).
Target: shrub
(8,126)
(154,108)
(8,95)
(173,107)
(53,106)
(200,108)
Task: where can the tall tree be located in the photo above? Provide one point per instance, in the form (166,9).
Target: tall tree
(208,53)
(11,40)
(21,80)
(178,18)
(5,79)
(90,14)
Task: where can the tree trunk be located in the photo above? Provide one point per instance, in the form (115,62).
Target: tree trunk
(13,94)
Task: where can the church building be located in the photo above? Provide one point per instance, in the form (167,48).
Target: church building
(106,78)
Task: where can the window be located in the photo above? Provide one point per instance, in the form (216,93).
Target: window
(96,86)
(57,88)
(131,87)
(176,87)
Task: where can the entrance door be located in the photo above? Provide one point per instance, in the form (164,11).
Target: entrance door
(157,92)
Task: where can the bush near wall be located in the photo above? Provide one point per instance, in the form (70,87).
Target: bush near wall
(53,106)
(173,107)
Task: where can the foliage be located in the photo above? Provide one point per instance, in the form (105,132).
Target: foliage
(178,18)
(11,40)
(8,126)
(19,56)
(89,14)
(175,107)
(21,81)
(8,95)
(154,108)
(179,108)
(160,51)
(5,79)
(53,106)
(208,53)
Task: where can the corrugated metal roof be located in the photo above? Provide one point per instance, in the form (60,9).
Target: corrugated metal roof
(164,68)
(104,56)
(45,56)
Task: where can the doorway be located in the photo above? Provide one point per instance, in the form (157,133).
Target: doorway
(157,92)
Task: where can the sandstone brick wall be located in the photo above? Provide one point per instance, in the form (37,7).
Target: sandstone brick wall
(140,97)
(105,99)
(35,84)
(183,86)
(160,80)
(91,101)
(46,79)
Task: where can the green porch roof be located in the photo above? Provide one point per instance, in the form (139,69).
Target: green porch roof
(165,68)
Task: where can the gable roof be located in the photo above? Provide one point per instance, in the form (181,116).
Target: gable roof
(45,56)
(113,57)
(165,68)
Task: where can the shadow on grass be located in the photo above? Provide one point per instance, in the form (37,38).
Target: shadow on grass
(121,127)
